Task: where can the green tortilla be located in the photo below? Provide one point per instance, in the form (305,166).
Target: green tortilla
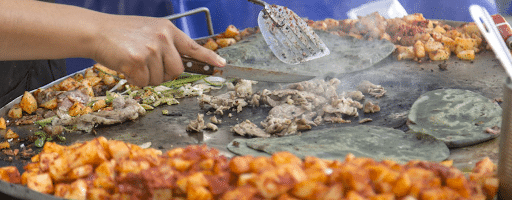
(375,142)
(457,117)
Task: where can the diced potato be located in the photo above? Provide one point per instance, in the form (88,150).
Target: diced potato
(3,125)
(80,172)
(440,54)
(104,182)
(334,192)
(285,157)
(41,183)
(99,105)
(118,149)
(211,44)
(466,55)
(102,70)
(309,189)
(11,135)
(319,25)
(199,193)
(491,187)
(45,159)
(88,90)
(78,190)
(76,109)
(231,32)
(243,179)
(447,163)
(414,17)
(10,174)
(331,23)
(93,80)
(439,29)
(402,185)
(405,53)
(465,43)
(180,164)
(240,164)
(224,42)
(100,194)
(161,194)
(5,145)
(15,112)
(260,164)
(68,84)
(62,189)
(419,49)
(108,80)
(89,73)
(50,104)
(431,45)
(78,77)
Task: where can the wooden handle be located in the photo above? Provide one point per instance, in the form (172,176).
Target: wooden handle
(195,66)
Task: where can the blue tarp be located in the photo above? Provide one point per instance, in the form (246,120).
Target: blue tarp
(243,14)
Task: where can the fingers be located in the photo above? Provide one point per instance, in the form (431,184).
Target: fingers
(189,47)
(156,69)
(136,74)
(173,64)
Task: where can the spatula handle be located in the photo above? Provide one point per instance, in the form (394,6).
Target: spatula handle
(259,2)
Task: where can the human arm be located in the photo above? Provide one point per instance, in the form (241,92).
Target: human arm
(147,50)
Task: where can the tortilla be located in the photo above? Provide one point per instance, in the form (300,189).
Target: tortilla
(456,117)
(348,54)
(375,142)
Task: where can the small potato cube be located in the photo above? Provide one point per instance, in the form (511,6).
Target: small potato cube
(88,90)
(319,25)
(419,49)
(109,80)
(68,84)
(62,189)
(439,29)
(243,179)
(404,53)
(104,182)
(118,149)
(102,70)
(431,45)
(92,81)
(261,164)
(89,72)
(80,172)
(309,189)
(99,105)
(45,159)
(211,44)
(385,196)
(41,183)
(402,185)
(240,193)
(207,164)
(240,164)
(334,192)
(491,187)
(197,179)
(459,184)
(199,193)
(161,194)
(465,43)
(10,174)
(50,104)
(285,157)
(3,125)
(50,147)
(77,109)
(231,32)
(5,145)
(180,164)
(78,190)
(414,17)
(352,195)
(11,135)
(331,23)
(78,77)
(466,55)
(224,42)
(15,112)
(100,194)
(441,54)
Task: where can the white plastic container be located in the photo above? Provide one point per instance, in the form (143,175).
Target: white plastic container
(386,8)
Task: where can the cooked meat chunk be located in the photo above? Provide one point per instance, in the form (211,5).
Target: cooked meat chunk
(247,128)
(125,109)
(366,87)
(211,126)
(370,107)
(196,125)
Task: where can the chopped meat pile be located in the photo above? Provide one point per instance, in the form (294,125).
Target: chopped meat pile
(298,107)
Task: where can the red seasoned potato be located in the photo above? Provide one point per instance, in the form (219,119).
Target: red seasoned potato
(28,103)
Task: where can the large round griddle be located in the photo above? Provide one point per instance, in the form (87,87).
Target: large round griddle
(405,81)
(374,142)
(457,117)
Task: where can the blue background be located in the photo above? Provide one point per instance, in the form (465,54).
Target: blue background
(243,14)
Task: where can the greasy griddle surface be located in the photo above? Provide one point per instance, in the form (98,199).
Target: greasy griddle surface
(348,54)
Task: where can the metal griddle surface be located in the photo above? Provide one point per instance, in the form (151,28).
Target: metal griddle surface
(405,81)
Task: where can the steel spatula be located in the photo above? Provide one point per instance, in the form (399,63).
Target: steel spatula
(288,36)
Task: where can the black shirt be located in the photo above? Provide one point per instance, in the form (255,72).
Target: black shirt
(21,76)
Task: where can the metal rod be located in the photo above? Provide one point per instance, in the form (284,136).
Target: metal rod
(195,11)
(505,153)
(258,2)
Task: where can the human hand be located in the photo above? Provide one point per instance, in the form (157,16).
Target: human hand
(145,49)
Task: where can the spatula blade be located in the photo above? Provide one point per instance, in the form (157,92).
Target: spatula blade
(289,37)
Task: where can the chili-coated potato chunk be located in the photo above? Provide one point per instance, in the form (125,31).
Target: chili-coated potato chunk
(10,174)
(15,112)
(11,135)
(41,183)
(28,103)
(3,125)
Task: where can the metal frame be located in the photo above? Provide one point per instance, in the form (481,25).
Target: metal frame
(192,12)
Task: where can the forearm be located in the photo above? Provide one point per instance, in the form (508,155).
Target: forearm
(32,30)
